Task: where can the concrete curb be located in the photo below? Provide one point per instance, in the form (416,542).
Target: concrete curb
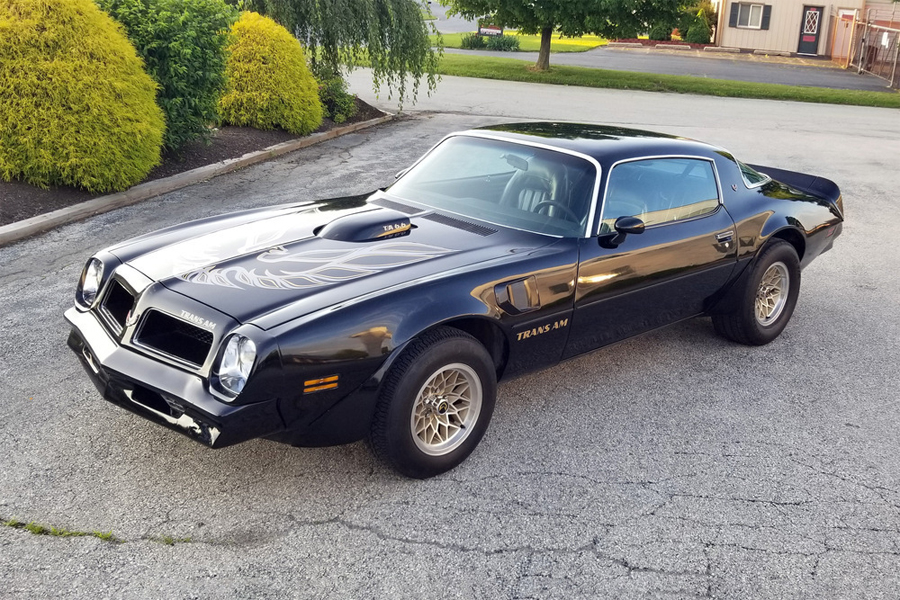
(722,49)
(673,47)
(624,45)
(144,191)
(772,52)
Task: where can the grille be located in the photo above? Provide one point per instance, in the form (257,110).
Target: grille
(385,203)
(460,224)
(175,337)
(116,306)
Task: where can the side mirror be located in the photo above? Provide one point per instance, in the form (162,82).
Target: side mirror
(623,226)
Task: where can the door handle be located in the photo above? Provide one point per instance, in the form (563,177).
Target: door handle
(517,297)
(725,237)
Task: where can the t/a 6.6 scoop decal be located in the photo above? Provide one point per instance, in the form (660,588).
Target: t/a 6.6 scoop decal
(315,268)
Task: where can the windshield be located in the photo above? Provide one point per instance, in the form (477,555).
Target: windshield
(503,183)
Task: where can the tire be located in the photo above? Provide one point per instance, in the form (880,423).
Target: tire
(768,299)
(435,404)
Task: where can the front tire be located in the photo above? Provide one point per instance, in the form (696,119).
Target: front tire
(768,300)
(435,403)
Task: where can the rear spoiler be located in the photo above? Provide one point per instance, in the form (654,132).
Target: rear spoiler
(811,184)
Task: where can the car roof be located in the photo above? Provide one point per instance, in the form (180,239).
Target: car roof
(606,144)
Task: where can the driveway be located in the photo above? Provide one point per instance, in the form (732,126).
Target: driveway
(672,465)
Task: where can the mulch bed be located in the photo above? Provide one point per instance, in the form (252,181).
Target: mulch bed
(653,43)
(20,201)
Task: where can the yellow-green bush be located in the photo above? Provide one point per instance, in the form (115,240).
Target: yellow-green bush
(76,107)
(269,84)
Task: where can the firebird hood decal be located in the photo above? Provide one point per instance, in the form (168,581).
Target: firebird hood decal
(211,248)
(314,268)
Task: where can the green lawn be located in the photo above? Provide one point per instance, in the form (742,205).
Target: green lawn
(489,67)
(532,43)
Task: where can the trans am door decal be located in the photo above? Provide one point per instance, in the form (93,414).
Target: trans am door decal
(315,268)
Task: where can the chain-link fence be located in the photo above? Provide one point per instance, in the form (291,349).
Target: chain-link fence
(876,50)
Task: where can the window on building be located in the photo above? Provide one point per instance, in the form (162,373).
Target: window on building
(750,16)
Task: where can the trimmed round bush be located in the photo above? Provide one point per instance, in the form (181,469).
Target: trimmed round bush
(269,84)
(76,107)
(182,43)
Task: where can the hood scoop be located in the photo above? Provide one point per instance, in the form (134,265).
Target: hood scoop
(369,226)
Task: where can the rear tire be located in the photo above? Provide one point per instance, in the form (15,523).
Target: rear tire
(435,404)
(768,299)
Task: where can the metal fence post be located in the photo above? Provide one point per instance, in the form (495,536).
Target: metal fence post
(896,58)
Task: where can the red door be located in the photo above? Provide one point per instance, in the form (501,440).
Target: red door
(810,27)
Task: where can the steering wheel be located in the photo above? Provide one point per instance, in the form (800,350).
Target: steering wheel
(570,215)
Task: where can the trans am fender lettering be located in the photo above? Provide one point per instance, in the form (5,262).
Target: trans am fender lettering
(524,335)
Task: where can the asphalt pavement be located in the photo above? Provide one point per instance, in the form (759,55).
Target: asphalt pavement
(735,67)
(674,465)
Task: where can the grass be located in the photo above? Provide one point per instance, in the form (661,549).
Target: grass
(489,67)
(38,529)
(427,15)
(532,43)
(106,536)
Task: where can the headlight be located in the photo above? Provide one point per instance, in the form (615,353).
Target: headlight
(89,285)
(237,360)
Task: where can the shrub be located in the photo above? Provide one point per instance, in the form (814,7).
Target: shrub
(472,41)
(703,10)
(269,84)
(337,102)
(699,32)
(503,43)
(76,107)
(661,32)
(182,43)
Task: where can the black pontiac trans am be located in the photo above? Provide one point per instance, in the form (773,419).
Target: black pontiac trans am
(393,315)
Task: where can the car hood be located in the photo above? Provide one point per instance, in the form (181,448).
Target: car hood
(281,258)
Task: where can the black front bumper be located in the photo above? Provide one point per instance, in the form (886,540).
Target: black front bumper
(164,394)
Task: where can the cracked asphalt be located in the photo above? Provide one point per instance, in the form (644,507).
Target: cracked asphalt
(674,465)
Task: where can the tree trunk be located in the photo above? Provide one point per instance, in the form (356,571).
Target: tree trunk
(543,61)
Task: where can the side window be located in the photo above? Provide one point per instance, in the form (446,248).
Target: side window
(660,190)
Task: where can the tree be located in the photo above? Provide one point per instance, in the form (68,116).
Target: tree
(571,18)
(339,34)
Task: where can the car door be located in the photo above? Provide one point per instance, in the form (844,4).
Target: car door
(669,272)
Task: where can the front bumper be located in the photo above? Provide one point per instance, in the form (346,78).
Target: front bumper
(164,394)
